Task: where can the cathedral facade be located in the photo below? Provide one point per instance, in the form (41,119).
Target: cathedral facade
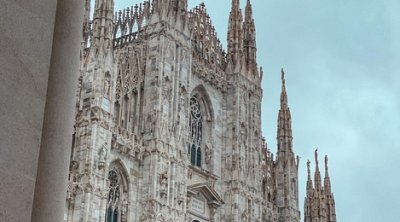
(168,123)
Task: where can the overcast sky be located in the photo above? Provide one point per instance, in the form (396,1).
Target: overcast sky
(342,59)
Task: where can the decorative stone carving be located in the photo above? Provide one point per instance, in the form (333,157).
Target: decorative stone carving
(208,153)
(164,184)
(102,156)
(182,113)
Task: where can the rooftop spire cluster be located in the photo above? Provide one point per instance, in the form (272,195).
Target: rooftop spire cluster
(242,47)
(162,49)
(206,45)
(284,116)
(319,203)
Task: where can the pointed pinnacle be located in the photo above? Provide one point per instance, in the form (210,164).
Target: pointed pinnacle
(326,166)
(316,160)
(284,100)
(235,4)
(249,10)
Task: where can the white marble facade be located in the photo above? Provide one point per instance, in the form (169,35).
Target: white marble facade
(168,124)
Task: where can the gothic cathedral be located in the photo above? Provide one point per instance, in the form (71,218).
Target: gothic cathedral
(168,123)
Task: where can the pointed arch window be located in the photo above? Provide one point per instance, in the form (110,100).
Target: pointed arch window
(196,131)
(193,154)
(198,157)
(114,194)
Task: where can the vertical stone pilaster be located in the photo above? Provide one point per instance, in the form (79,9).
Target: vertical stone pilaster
(55,150)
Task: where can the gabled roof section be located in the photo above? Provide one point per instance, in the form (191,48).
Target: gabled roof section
(206,44)
(208,192)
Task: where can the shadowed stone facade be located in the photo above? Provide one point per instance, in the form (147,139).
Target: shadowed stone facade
(168,124)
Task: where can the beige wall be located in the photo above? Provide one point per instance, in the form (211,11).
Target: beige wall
(27,56)
(26,36)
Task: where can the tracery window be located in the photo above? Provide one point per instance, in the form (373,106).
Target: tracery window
(113,197)
(198,157)
(196,126)
(192,152)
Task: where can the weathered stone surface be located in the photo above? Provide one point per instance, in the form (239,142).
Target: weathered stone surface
(168,125)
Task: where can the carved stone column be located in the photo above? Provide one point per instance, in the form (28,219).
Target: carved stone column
(55,150)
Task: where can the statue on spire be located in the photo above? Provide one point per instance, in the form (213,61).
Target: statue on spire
(316,158)
(326,163)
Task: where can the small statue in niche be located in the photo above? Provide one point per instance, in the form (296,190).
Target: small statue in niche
(208,153)
(118,90)
(150,123)
(164,184)
(124,209)
(102,156)
(94,114)
(74,165)
(164,179)
(107,85)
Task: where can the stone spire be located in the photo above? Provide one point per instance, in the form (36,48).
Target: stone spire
(235,32)
(287,162)
(327,180)
(284,118)
(86,25)
(309,180)
(250,48)
(103,25)
(317,175)
(284,98)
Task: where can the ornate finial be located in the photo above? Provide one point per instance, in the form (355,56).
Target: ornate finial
(308,168)
(327,182)
(326,164)
(283,80)
(316,158)
(235,3)
(248,8)
(284,99)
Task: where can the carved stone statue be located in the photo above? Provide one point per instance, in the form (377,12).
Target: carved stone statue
(208,153)
(107,86)
(102,156)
